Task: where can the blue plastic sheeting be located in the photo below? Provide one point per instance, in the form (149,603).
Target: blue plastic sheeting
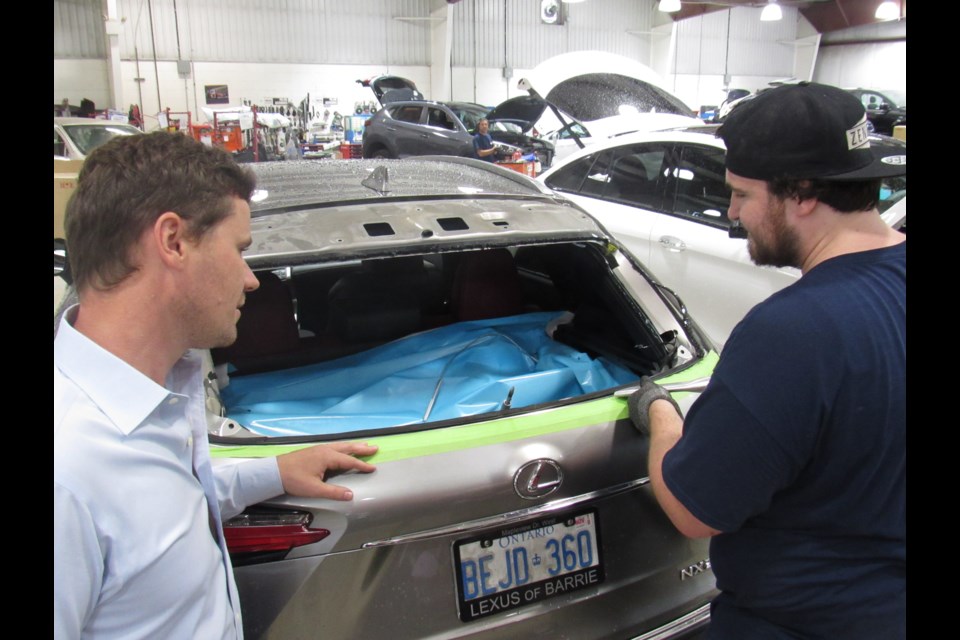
(458,370)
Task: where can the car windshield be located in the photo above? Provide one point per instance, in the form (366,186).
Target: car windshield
(88,137)
(899,98)
(469,116)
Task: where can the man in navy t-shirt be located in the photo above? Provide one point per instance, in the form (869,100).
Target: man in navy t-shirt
(794,458)
(483,143)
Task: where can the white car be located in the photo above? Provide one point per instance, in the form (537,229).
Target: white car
(75,138)
(664,196)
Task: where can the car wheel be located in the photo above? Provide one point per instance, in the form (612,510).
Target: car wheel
(382,153)
(870,127)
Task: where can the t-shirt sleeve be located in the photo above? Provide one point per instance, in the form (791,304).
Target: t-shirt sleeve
(755,427)
(241,484)
(78,564)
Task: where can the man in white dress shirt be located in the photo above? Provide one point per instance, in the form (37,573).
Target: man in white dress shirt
(156,232)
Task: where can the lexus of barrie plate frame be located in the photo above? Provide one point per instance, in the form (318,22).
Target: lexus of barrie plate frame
(527,563)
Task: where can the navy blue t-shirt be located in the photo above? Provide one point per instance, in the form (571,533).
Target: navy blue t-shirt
(797,452)
(483,141)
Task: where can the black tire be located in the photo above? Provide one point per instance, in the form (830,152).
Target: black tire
(382,153)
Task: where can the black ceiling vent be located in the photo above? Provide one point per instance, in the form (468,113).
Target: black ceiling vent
(452,224)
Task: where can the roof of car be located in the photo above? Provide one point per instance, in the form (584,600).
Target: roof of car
(284,185)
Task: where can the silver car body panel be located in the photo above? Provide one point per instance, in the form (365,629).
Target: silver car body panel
(390,536)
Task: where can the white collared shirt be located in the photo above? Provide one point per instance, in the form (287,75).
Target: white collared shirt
(134,553)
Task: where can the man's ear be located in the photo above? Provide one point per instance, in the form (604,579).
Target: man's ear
(805,205)
(169,238)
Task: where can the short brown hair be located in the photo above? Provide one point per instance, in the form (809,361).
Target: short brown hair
(127,183)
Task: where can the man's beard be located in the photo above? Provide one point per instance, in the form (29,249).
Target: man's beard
(780,245)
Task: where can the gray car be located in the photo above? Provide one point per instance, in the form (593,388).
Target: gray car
(421,127)
(484,333)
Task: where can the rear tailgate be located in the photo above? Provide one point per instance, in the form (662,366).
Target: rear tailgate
(390,566)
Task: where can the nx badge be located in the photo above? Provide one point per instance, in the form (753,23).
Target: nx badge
(537,478)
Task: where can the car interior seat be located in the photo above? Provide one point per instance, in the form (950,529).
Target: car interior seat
(486,284)
(267,325)
(379,302)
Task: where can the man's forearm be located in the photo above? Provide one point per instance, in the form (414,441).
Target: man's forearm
(666,427)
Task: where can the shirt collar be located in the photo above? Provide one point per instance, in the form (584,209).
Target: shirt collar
(124,394)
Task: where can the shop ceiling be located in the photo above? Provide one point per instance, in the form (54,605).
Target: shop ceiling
(824,15)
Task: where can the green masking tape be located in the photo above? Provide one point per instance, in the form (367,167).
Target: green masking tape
(433,441)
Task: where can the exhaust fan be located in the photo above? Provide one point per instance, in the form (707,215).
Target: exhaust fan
(551,12)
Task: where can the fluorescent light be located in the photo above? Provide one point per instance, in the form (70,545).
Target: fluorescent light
(669,6)
(887,11)
(771,12)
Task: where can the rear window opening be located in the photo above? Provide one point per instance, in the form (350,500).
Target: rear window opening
(335,349)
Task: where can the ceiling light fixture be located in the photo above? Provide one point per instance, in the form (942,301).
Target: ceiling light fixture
(771,12)
(669,6)
(887,11)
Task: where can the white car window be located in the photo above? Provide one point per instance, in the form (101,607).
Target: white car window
(700,185)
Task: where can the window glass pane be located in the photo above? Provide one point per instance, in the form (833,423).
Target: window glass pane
(638,176)
(598,176)
(439,118)
(701,187)
(571,177)
(407,113)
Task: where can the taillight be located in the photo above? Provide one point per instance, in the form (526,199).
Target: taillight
(270,531)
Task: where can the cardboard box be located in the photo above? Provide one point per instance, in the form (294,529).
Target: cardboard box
(526,168)
(900,132)
(65,174)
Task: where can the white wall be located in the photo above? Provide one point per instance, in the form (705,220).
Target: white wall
(878,65)
(78,79)
(695,54)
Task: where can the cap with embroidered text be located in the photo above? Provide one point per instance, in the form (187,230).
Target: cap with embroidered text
(806,130)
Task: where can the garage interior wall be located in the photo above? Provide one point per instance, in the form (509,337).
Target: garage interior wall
(266,49)
(734,43)
(870,56)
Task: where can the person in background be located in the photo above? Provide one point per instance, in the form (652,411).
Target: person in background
(794,458)
(483,146)
(155,233)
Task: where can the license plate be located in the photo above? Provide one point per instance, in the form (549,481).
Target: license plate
(521,565)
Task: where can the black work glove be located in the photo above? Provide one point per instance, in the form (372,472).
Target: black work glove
(640,400)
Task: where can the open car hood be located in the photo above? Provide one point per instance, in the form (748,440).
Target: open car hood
(524,111)
(392,89)
(581,84)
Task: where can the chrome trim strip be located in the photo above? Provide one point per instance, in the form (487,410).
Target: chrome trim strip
(683,624)
(513,517)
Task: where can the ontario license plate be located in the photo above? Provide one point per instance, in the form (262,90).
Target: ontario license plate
(521,565)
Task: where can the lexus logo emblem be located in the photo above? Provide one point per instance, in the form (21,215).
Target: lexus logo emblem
(537,478)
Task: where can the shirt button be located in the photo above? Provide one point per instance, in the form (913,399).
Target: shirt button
(173,400)
(189,441)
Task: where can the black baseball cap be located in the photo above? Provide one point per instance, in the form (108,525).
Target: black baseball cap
(806,130)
